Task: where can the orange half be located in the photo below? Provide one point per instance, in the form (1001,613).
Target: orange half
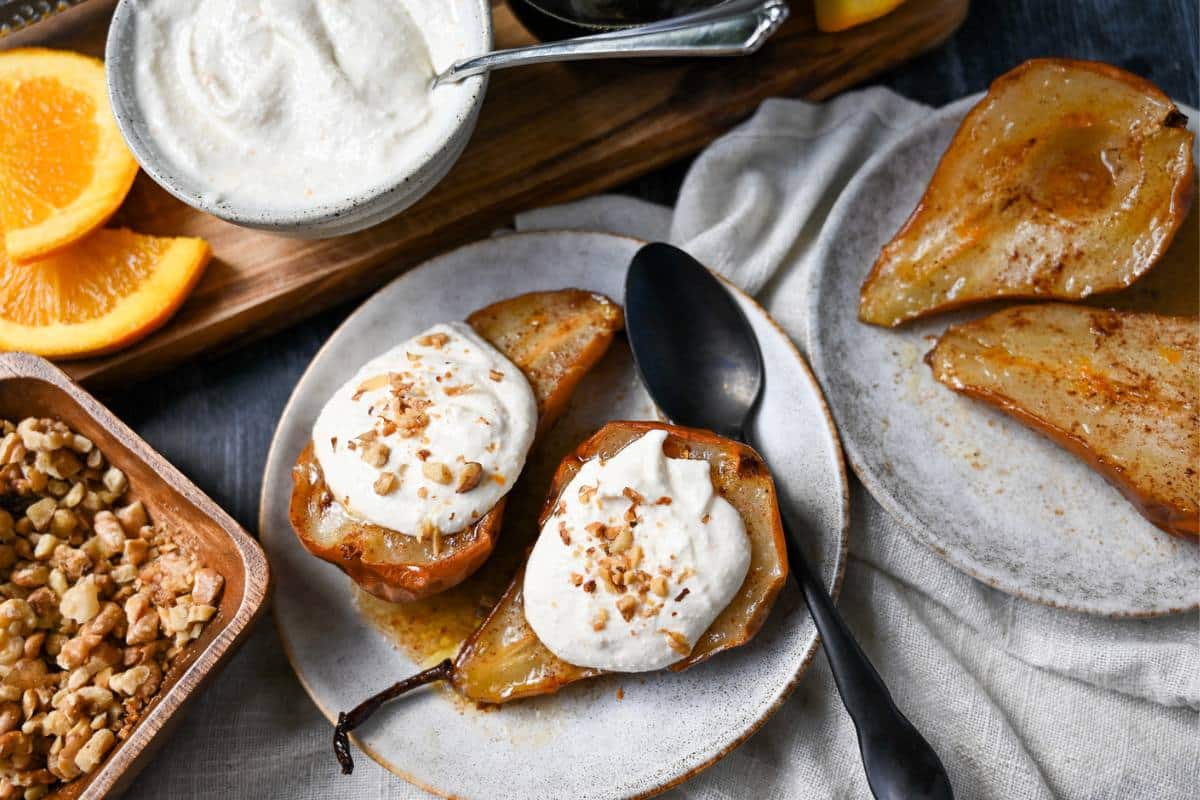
(96,295)
(64,168)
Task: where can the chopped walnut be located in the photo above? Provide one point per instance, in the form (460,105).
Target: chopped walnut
(677,641)
(385,484)
(470,477)
(434,340)
(81,602)
(622,541)
(437,472)
(496,375)
(375,453)
(41,512)
(114,481)
(92,753)
(132,517)
(95,602)
(600,620)
(109,532)
(637,580)
(627,605)
(370,385)
(136,551)
(206,587)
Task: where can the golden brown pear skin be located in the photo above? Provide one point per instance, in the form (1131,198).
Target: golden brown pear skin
(1069,178)
(1121,390)
(554,338)
(504,660)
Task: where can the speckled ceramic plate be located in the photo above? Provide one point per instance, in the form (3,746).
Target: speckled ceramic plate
(991,496)
(583,742)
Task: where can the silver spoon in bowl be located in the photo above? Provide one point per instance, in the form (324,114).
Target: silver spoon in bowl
(731,28)
(737,27)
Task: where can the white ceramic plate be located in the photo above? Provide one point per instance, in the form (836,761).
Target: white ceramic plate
(991,496)
(583,742)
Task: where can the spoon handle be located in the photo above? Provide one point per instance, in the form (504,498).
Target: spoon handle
(899,763)
(733,28)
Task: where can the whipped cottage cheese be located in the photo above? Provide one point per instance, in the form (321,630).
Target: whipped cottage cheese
(427,437)
(682,551)
(287,105)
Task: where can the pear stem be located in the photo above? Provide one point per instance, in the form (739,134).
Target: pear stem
(348,721)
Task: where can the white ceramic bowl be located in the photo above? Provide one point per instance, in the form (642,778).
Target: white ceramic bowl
(333,219)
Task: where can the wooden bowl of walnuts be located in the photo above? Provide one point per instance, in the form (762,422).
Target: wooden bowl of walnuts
(122,588)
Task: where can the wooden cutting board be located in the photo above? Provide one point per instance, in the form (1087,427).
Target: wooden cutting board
(546,134)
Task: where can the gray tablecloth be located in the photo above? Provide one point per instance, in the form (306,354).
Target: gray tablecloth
(1020,700)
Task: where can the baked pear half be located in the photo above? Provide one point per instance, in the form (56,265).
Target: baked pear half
(554,338)
(1068,179)
(1119,389)
(504,660)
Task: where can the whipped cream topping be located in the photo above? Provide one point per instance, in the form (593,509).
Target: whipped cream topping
(427,437)
(638,558)
(288,105)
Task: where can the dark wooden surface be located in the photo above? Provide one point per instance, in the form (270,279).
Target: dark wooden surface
(214,419)
(547,134)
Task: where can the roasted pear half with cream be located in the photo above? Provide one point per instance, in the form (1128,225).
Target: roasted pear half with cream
(504,659)
(1119,389)
(1068,179)
(553,338)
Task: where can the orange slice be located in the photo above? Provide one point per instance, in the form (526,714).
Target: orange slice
(96,295)
(64,168)
(838,15)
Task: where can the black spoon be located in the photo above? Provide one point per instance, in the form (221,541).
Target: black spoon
(699,357)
